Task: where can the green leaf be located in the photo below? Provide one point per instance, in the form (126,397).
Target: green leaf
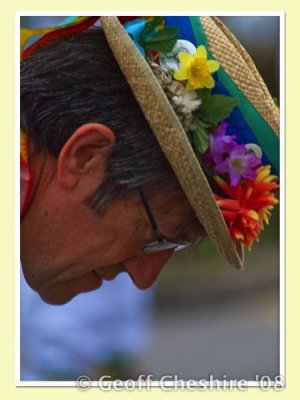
(200,135)
(163,40)
(216,108)
(150,26)
(204,93)
(153,23)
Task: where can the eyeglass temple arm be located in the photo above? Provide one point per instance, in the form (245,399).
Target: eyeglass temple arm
(150,216)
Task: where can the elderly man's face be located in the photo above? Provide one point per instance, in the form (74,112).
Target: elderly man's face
(66,249)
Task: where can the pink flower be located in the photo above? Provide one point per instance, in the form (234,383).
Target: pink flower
(227,156)
(220,145)
(239,164)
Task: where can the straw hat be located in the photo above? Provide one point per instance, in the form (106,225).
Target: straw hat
(168,129)
(239,77)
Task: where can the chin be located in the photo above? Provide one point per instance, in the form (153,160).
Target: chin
(30,275)
(59,293)
(54,290)
(56,299)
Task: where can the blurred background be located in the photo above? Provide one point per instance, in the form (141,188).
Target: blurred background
(201,317)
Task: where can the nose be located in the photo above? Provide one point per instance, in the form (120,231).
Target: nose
(144,269)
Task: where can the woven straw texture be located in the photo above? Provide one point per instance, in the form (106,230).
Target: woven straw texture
(171,137)
(239,66)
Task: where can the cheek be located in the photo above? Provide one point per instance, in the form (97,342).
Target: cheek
(71,241)
(128,237)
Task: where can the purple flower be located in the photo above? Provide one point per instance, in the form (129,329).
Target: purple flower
(229,157)
(239,164)
(220,145)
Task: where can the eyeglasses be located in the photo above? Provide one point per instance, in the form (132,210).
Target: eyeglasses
(161,243)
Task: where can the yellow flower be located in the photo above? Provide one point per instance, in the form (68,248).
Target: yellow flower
(196,69)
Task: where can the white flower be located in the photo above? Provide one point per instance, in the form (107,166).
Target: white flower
(188,101)
(183,101)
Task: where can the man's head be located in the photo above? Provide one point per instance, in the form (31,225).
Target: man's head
(91,149)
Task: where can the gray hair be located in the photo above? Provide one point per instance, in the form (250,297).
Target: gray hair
(74,80)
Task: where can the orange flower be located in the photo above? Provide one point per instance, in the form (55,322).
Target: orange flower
(248,205)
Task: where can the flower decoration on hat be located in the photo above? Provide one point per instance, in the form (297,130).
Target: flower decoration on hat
(197,70)
(229,157)
(245,186)
(248,204)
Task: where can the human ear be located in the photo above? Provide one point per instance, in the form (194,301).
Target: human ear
(82,160)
